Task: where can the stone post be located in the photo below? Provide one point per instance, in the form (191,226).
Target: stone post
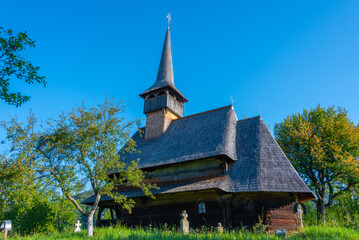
(219,228)
(300,215)
(184,222)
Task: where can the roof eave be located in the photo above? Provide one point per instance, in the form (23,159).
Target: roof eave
(178,93)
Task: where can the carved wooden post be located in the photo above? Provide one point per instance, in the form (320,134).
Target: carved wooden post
(112,215)
(223,210)
(100,210)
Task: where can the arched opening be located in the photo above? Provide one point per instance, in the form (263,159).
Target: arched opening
(107,214)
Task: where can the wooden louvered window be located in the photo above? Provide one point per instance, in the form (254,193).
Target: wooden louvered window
(201,207)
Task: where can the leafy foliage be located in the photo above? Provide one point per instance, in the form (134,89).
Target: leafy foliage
(323,146)
(12,65)
(77,150)
(27,201)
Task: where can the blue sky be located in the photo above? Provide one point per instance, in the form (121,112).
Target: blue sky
(276,56)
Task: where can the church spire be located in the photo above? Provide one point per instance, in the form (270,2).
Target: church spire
(163,101)
(165,70)
(164,80)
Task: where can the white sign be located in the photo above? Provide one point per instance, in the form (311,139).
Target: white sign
(6,225)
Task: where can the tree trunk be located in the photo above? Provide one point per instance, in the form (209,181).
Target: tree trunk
(90,216)
(320,212)
(90,225)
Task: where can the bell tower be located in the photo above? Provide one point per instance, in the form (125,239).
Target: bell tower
(163,101)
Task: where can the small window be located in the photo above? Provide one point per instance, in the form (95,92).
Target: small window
(200,174)
(250,206)
(175,177)
(201,207)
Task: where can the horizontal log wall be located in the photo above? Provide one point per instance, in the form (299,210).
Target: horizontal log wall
(207,167)
(282,218)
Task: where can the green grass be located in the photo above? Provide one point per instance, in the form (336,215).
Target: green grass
(124,233)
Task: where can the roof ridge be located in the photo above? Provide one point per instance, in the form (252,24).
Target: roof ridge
(249,118)
(196,114)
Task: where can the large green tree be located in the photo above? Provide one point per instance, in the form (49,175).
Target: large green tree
(14,66)
(323,146)
(26,199)
(78,150)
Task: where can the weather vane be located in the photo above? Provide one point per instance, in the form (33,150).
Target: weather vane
(169,20)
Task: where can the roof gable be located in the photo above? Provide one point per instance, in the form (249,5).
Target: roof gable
(262,165)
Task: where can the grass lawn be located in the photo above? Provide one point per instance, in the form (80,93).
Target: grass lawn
(315,232)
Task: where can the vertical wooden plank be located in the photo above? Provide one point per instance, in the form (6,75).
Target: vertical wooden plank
(111,211)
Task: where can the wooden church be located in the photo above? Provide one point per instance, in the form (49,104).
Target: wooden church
(211,164)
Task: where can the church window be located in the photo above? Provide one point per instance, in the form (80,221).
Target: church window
(250,206)
(175,177)
(201,207)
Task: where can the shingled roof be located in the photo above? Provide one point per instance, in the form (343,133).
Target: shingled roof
(165,71)
(258,162)
(195,137)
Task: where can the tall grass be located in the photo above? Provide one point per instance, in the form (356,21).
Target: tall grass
(124,233)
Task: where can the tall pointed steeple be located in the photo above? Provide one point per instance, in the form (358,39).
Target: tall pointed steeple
(165,72)
(163,101)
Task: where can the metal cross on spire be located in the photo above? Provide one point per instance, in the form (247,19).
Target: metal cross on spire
(169,20)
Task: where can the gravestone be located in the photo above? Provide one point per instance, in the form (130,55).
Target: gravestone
(184,222)
(5,227)
(300,216)
(219,228)
(77,226)
(281,233)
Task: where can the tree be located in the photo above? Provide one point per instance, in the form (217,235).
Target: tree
(25,197)
(78,150)
(323,146)
(12,65)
